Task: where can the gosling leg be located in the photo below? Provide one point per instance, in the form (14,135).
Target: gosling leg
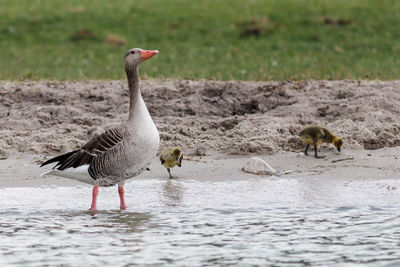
(169,171)
(305,151)
(316,155)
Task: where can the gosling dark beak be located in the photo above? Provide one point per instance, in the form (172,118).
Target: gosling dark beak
(146,54)
(180,160)
(338,149)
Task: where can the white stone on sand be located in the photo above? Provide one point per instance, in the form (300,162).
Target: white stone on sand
(258,166)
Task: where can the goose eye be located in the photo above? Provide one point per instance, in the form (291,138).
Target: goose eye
(133,52)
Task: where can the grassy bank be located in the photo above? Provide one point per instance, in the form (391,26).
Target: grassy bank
(241,40)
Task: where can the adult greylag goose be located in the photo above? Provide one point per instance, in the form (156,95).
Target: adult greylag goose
(119,153)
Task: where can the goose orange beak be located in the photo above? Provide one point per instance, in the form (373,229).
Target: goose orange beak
(146,54)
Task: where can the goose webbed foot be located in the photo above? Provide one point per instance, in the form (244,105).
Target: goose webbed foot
(316,155)
(305,151)
(169,171)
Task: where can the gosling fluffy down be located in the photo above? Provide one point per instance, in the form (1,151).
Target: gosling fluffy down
(170,157)
(316,135)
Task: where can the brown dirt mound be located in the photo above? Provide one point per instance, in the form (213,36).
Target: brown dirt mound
(235,117)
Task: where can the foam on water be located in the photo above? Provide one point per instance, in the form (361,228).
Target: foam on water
(286,222)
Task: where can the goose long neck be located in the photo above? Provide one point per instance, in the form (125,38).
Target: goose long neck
(132,74)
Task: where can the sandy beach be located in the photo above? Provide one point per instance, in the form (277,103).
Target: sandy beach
(22,170)
(341,208)
(218,124)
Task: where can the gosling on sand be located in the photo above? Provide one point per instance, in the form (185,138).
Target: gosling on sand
(316,135)
(170,157)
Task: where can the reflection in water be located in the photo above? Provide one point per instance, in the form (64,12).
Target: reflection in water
(128,222)
(260,222)
(172,193)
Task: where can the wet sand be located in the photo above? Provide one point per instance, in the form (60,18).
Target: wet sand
(219,125)
(23,170)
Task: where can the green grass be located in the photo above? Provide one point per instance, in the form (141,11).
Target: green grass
(202,39)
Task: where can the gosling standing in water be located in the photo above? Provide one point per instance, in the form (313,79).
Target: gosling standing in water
(316,135)
(171,156)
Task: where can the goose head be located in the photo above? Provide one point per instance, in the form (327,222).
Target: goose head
(135,56)
(178,155)
(337,142)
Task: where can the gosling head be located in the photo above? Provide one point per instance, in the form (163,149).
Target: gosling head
(135,56)
(177,154)
(337,142)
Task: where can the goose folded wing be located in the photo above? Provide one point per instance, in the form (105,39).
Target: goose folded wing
(90,153)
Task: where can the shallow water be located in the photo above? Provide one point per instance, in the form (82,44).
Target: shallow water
(284,222)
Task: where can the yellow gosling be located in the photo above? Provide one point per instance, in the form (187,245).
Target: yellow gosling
(170,157)
(316,135)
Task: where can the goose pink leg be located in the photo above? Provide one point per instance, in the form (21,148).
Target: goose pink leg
(95,192)
(121,192)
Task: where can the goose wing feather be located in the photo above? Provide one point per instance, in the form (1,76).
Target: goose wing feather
(96,153)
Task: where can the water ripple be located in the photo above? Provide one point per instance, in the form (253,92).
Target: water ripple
(202,224)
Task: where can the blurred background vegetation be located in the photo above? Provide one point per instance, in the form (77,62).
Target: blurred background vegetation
(211,39)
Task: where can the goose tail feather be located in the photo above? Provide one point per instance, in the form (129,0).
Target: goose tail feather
(59,158)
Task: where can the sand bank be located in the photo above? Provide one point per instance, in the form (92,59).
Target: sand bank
(22,170)
(223,122)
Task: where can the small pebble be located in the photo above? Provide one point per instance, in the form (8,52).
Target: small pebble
(391,187)
(258,166)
